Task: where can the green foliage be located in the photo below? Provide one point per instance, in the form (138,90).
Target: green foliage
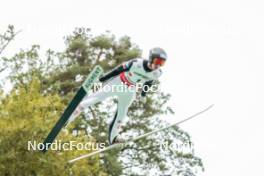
(27,115)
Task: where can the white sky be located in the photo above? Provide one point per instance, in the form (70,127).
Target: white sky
(215,53)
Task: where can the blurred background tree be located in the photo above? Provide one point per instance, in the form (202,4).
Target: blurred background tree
(59,75)
(27,115)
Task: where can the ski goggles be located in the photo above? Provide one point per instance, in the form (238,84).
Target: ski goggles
(158,61)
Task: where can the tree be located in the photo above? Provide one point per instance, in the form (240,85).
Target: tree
(27,116)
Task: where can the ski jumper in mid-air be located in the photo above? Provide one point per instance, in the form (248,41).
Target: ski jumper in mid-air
(128,74)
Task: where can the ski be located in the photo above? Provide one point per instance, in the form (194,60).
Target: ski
(86,86)
(139,137)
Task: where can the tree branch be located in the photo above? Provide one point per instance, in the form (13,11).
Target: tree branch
(8,41)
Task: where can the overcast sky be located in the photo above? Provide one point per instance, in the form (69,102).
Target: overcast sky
(215,51)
